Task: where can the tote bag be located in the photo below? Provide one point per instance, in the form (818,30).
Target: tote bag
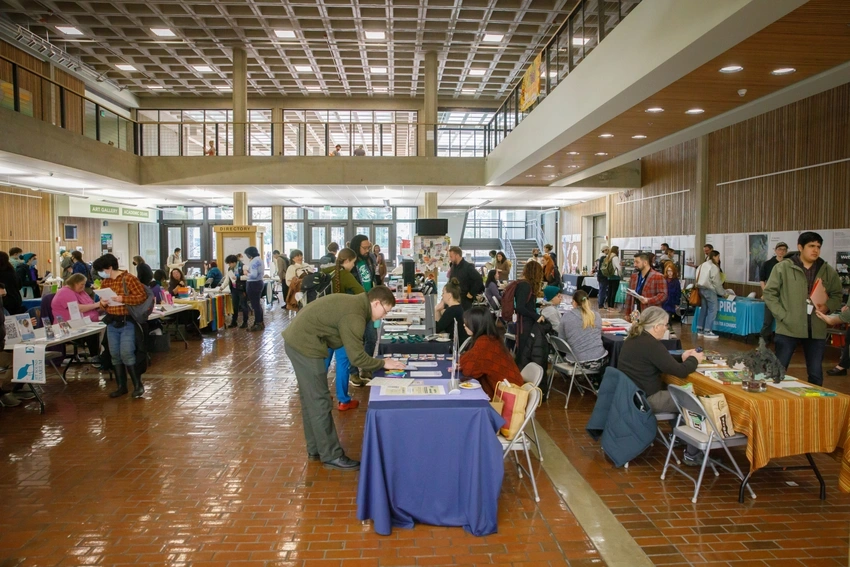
(694,299)
(514,401)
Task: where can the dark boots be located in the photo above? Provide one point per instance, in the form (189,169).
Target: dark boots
(120,381)
(138,389)
(121,373)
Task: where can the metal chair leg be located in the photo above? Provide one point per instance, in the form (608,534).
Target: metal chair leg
(702,468)
(537,441)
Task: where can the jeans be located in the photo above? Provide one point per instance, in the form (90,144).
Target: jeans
(238,302)
(613,288)
(813,349)
(254,290)
(767,328)
(603,290)
(844,362)
(708,312)
(122,343)
(342,368)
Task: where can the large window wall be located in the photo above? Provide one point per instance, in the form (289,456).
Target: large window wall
(189,132)
(380,132)
(461,133)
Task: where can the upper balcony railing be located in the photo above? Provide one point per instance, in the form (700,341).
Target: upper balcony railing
(586,26)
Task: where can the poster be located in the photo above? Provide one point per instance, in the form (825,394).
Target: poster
(25,328)
(432,252)
(566,240)
(734,257)
(757,256)
(29,364)
(530,89)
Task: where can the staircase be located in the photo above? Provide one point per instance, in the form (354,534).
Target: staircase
(522,251)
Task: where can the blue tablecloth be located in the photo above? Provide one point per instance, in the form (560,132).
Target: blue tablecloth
(30,303)
(740,316)
(435,461)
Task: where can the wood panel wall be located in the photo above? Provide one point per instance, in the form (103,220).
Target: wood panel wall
(571,220)
(812,131)
(25,222)
(88,236)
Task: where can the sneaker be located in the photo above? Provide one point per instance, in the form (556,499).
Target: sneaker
(25,395)
(700,333)
(355,380)
(345,406)
(710,335)
(9,400)
(693,460)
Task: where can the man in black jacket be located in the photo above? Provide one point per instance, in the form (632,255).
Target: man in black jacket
(471,282)
(780,250)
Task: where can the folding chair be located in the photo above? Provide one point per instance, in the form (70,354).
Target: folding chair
(566,362)
(520,440)
(688,402)
(533,374)
(464,346)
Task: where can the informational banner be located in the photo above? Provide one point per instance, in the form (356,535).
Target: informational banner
(29,364)
(758,256)
(530,84)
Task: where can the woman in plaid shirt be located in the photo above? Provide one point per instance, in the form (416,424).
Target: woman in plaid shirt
(120,330)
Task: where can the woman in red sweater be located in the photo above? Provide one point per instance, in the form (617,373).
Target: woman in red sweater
(487,359)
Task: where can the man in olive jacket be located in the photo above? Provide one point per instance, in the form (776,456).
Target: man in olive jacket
(331,322)
(787,295)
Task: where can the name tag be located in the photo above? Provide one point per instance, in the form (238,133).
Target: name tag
(810,308)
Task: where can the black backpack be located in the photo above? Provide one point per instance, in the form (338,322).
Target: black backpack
(316,285)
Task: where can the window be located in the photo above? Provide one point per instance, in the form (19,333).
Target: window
(189,132)
(193,242)
(328,213)
(267,239)
(374,213)
(380,132)
(404,232)
(195,213)
(406,212)
(261,213)
(220,213)
(482,223)
(293,213)
(293,236)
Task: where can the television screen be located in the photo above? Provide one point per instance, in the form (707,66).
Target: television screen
(432,227)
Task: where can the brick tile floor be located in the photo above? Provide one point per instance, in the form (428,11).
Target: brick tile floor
(209,469)
(785,525)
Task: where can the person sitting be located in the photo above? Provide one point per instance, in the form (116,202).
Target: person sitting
(214,275)
(75,290)
(176,280)
(491,290)
(487,360)
(156,285)
(674,290)
(449,311)
(581,328)
(553,297)
(297,267)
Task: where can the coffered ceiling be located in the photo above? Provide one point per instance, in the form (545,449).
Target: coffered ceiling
(334,47)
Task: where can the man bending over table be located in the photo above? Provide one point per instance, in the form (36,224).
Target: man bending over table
(331,322)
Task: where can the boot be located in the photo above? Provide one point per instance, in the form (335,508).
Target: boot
(138,389)
(120,381)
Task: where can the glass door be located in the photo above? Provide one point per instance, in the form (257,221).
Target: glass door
(193,242)
(319,235)
(380,233)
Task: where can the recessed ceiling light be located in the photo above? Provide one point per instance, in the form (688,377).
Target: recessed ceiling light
(638,137)
(580,40)
(126,67)
(285,34)
(202,68)
(304,68)
(313,88)
(655,110)
(531,175)
(375,35)
(380,89)
(378,70)
(477,72)
(694,111)
(606,135)
(163,32)
(783,71)
(601,154)
(223,88)
(731,69)
(468,91)
(69,30)
(155,87)
(493,37)
(548,165)
(574,166)
(572,153)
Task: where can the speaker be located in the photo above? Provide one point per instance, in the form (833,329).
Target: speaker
(409,272)
(432,227)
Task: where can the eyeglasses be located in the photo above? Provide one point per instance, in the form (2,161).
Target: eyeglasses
(384,307)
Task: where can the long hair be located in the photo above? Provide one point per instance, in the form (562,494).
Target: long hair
(4,262)
(502,254)
(588,317)
(480,321)
(355,245)
(344,255)
(649,317)
(453,288)
(533,274)
(614,251)
(171,276)
(491,278)
(667,265)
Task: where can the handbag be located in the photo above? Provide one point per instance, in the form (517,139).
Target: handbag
(717,410)
(694,299)
(142,311)
(497,404)
(515,400)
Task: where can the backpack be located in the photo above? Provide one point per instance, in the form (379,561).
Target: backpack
(142,311)
(316,285)
(508,301)
(607,268)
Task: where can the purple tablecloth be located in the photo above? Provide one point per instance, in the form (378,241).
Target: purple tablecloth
(434,461)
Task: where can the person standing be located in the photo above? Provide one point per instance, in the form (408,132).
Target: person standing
(779,252)
(337,151)
(380,264)
(254,285)
(364,272)
(710,286)
(121,329)
(236,285)
(175,261)
(503,267)
(844,317)
(65,264)
(143,271)
(80,267)
(601,279)
(331,322)
(15,256)
(28,274)
(330,257)
(674,289)
(550,251)
(471,282)
(788,295)
(612,270)
(360,151)
(647,283)
(13,302)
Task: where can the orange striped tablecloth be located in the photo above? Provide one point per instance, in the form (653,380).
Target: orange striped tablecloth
(779,424)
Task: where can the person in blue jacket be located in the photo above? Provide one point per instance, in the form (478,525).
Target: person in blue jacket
(254,272)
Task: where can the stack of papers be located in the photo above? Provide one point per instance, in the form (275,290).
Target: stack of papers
(726,376)
(413,390)
(803,389)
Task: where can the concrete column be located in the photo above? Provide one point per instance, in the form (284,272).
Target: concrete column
(429,210)
(277,131)
(429,109)
(240,101)
(240,208)
(277,228)
(701,198)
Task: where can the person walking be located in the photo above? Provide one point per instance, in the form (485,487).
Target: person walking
(612,271)
(254,285)
(602,280)
(331,322)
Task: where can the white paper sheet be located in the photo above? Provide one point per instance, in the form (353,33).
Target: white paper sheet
(396,382)
(426,374)
(74,310)
(417,364)
(413,391)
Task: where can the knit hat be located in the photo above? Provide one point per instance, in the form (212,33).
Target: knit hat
(26,257)
(550,291)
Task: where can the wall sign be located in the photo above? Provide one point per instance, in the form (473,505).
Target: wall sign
(104,210)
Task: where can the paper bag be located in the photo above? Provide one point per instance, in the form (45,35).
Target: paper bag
(496,403)
(513,412)
(717,410)
(29,364)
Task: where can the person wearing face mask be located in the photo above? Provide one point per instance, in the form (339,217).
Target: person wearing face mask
(175,261)
(364,272)
(28,274)
(121,330)
(143,270)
